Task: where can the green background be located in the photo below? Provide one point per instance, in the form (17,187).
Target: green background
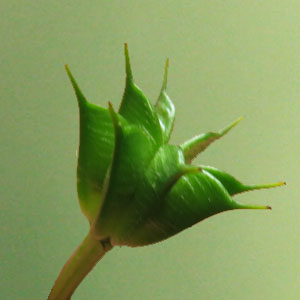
(227,59)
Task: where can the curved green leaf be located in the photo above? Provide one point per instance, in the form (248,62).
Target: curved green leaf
(192,199)
(233,186)
(165,109)
(162,173)
(96,143)
(133,151)
(199,143)
(136,108)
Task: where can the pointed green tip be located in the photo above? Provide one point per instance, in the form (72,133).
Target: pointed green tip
(127,62)
(246,206)
(113,115)
(165,81)
(277,184)
(111,109)
(67,67)
(70,74)
(80,97)
(266,186)
(228,128)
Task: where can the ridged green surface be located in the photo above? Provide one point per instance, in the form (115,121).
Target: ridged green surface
(145,188)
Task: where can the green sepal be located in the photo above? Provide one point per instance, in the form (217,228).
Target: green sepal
(165,108)
(193,198)
(234,186)
(199,143)
(136,108)
(162,173)
(133,151)
(96,143)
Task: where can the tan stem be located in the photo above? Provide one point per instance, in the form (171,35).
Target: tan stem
(85,257)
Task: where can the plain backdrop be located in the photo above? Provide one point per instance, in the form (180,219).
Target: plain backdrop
(228,58)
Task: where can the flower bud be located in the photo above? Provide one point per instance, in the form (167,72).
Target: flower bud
(135,188)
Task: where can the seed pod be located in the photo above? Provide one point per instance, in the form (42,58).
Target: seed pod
(135,188)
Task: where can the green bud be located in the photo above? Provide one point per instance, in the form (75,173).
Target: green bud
(135,188)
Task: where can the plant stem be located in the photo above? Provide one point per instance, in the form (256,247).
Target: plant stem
(85,257)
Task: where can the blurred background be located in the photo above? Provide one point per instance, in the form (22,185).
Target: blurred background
(227,59)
